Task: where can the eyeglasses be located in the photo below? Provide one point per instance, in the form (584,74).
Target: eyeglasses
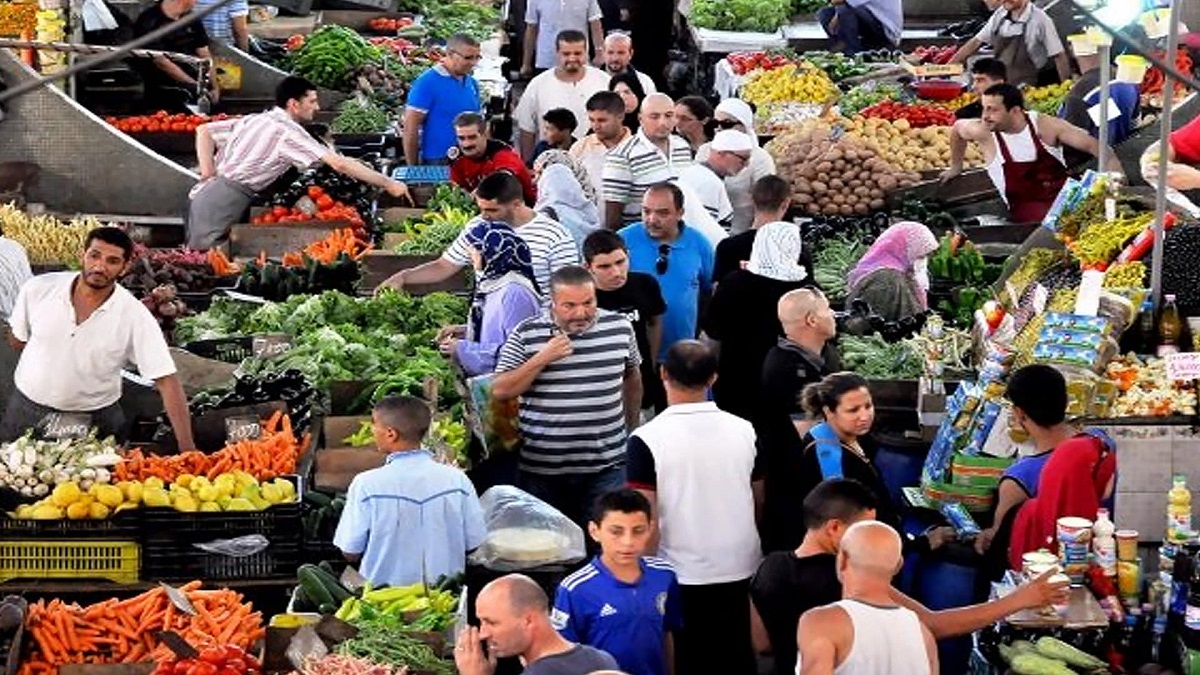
(473,57)
(728,124)
(744,156)
(660,265)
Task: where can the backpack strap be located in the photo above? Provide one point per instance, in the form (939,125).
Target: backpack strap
(829,451)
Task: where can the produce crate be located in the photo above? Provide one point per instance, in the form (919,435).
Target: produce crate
(117,561)
(227,350)
(248,241)
(169,538)
(122,527)
(377,266)
(422,175)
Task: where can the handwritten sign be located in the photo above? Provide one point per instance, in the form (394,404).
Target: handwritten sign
(1185,366)
(62,426)
(242,428)
(267,346)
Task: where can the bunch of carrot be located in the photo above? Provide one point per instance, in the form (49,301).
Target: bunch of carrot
(274,454)
(222,265)
(329,249)
(122,631)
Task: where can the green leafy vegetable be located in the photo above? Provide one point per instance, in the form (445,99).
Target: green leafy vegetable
(872,357)
(360,116)
(759,16)
(832,263)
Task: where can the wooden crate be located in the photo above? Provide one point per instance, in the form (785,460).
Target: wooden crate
(337,463)
(377,266)
(248,241)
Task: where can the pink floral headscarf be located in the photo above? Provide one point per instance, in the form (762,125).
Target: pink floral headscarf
(897,248)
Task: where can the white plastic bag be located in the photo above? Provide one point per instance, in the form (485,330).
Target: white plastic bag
(524,532)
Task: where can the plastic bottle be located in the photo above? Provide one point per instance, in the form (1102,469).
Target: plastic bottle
(1170,327)
(1104,544)
(1179,511)
(1147,336)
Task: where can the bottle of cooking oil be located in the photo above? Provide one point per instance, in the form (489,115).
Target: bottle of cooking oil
(1179,511)
(1170,327)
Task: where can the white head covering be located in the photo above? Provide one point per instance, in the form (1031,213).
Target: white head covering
(559,189)
(698,217)
(776,252)
(738,110)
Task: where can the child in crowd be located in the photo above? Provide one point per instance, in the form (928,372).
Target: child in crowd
(558,128)
(622,602)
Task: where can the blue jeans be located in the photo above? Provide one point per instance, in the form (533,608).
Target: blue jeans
(573,494)
(857,29)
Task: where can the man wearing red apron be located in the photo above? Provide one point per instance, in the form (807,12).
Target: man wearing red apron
(1022,151)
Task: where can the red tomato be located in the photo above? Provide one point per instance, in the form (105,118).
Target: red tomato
(315,191)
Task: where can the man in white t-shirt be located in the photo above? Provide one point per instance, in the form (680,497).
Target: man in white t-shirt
(568,85)
(545,20)
(76,332)
(500,199)
(729,153)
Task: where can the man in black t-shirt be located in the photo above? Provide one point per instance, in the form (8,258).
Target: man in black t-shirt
(772,197)
(635,295)
(170,85)
(790,583)
(985,72)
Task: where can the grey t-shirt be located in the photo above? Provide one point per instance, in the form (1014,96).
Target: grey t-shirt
(580,660)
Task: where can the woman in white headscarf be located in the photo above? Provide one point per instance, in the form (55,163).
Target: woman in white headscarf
(736,114)
(743,315)
(561,197)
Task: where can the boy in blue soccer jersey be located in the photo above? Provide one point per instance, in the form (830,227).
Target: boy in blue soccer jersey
(622,602)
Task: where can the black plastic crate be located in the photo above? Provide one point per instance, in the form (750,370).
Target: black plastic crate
(227,350)
(124,527)
(169,537)
(166,562)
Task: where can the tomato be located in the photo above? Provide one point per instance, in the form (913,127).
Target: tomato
(325,202)
(237,665)
(227,670)
(268,219)
(213,655)
(203,668)
(182,667)
(315,191)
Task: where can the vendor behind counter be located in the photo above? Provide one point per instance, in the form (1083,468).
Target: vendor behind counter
(1024,37)
(172,85)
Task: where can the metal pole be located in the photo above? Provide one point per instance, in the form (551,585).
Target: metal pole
(1105,54)
(1160,196)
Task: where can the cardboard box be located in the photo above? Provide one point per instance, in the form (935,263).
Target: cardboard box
(377,266)
(337,464)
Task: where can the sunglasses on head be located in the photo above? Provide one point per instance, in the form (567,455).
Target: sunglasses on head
(660,265)
(728,124)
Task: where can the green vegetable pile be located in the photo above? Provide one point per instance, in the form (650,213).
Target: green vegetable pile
(445,19)
(1101,241)
(872,357)
(758,16)
(331,55)
(838,66)
(360,116)
(450,196)
(433,232)
(385,639)
(866,95)
(832,263)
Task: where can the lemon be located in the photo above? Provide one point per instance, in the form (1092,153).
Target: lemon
(65,494)
(240,504)
(110,496)
(78,511)
(46,512)
(184,480)
(186,504)
(99,511)
(133,492)
(156,496)
(226,484)
(272,493)
(289,490)
(153,482)
(25,511)
(209,507)
(207,493)
(177,492)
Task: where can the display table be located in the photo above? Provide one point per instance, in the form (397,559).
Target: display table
(725,42)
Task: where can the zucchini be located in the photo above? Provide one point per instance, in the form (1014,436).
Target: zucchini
(1057,649)
(317,498)
(1007,652)
(337,592)
(1023,646)
(1028,663)
(314,586)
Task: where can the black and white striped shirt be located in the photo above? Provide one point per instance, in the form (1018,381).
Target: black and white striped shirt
(573,416)
(550,247)
(635,164)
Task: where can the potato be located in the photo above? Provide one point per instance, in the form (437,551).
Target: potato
(846,210)
(802,198)
(830,210)
(839,165)
(819,187)
(813,209)
(875,193)
(823,177)
(860,191)
(862,209)
(836,184)
(838,199)
(887,183)
(824,167)
(876,204)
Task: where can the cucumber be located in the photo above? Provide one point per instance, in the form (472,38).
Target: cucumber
(302,603)
(1028,663)
(327,610)
(1057,649)
(317,499)
(332,586)
(314,586)
(1023,646)
(1007,652)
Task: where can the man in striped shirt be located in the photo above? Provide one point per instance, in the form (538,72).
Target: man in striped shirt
(500,199)
(652,155)
(239,157)
(575,369)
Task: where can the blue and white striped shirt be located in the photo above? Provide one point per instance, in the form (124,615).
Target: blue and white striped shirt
(219,24)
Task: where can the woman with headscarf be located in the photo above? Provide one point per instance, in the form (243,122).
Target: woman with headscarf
(505,295)
(574,165)
(737,115)
(743,315)
(563,198)
(629,87)
(893,276)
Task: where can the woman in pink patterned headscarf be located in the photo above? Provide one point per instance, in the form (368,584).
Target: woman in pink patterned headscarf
(893,276)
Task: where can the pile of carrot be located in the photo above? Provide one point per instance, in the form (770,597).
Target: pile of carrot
(222,266)
(329,249)
(122,631)
(274,454)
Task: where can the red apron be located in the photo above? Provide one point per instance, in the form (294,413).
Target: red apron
(1031,187)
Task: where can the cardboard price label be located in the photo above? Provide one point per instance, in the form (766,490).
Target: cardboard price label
(266,346)
(65,426)
(1184,366)
(242,428)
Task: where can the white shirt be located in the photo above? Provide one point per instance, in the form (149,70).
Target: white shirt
(256,149)
(550,247)
(14,272)
(546,92)
(701,462)
(1041,36)
(592,153)
(1020,146)
(711,189)
(77,368)
(697,217)
(891,643)
(741,185)
(554,16)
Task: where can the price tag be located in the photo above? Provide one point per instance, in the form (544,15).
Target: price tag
(266,346)
(242,428)
(178,599)
(234,295)
(1087,302)
(1040,297)
(1183,367)
(176,643)
(60,426)
(1110,209)
(1114,112)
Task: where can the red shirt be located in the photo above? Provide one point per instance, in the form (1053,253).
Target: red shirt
(1186,143)
(467,172)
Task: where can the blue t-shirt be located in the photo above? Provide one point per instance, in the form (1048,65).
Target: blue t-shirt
(1027,472)
(441,96)
(689,273)
(629,621)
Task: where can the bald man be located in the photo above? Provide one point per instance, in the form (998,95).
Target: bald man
(618,54)
(514,620)
(653,155)
(801,357)
(866,631)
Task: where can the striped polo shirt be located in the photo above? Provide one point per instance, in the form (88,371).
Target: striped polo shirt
(635,164)
(256,149)
(573,416)
(550,247)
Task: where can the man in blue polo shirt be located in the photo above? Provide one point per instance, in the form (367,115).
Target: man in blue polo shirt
(413,519)
(436,98)
(678,256)
(621,602)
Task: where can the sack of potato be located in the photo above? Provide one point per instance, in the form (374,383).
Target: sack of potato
(831,176)
(908,148)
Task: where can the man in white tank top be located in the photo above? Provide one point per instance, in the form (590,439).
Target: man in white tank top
(866,633)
